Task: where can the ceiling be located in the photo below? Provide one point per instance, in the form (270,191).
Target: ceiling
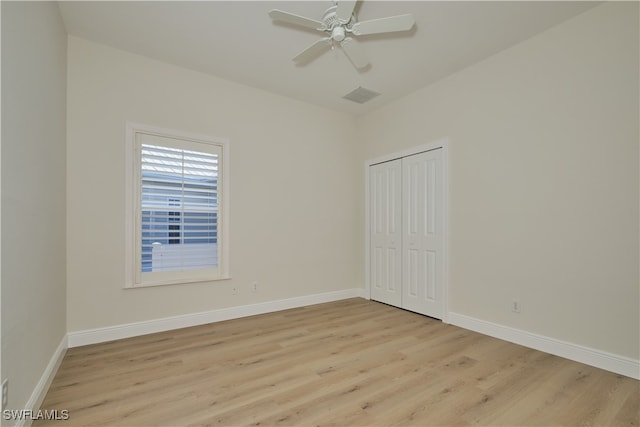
(237,41)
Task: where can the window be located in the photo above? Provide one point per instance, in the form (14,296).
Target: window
(176,207)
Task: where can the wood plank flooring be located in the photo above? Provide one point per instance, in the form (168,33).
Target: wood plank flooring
(350,363)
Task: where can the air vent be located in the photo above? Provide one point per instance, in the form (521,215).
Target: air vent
(361,95)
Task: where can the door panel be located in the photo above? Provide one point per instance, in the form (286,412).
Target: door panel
(423,244)
(386,232)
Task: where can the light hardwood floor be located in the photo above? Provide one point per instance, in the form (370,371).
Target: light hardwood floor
(351,362)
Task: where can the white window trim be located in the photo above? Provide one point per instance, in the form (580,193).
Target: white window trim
(130,203)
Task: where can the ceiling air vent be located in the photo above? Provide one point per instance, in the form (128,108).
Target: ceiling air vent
(361,95)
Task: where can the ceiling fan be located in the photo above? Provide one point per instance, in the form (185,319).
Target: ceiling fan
(339,22)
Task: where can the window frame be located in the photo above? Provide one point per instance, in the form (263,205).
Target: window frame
(133,209)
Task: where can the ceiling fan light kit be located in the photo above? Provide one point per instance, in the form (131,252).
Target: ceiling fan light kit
(338,22)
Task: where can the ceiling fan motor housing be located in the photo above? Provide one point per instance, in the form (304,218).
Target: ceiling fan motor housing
(332,22)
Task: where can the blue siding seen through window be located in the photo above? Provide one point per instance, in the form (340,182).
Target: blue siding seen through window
(179,199)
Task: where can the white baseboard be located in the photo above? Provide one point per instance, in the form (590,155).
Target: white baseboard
(40,391)
(110,333)
(589,356)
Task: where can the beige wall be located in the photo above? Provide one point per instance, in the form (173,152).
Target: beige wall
(293,181)
(33,192)
(543,179)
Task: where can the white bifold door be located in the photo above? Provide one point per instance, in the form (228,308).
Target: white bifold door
(407,232)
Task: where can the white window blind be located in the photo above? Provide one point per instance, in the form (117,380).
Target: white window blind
(178,217)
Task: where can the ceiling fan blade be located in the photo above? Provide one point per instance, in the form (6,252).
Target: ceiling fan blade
(345,10)
(354,52)
(313,51)
(279,15)
(384,25)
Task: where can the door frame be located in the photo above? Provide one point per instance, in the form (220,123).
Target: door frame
(439,144)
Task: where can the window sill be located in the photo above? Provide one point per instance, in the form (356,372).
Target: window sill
(177,282)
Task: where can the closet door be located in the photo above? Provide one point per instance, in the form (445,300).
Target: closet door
(422,234)
(385,188)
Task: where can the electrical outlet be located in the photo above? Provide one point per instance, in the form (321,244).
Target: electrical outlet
(234,291)
(5,393)
(515,305)
(254,287)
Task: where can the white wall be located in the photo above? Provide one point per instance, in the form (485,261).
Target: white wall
(293,180)
(543,179)
(33,192)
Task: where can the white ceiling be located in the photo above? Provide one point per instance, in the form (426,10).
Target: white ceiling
(237,41)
